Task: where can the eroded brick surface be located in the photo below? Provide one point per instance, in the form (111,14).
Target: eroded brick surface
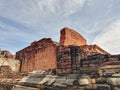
(92,50)
(68,59)
(5,54)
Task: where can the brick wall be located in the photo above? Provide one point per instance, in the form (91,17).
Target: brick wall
(68,59)
(40,55)
(71,37)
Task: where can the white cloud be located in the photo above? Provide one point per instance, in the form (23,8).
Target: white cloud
(9,32)
(109,39)
(67,7)
(32,12)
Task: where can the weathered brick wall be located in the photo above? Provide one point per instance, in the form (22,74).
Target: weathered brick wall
(71,37)
(68,59)
(40,55)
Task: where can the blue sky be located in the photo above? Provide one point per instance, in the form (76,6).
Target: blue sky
(24,21)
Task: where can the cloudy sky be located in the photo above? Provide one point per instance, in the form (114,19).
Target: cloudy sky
(23,21)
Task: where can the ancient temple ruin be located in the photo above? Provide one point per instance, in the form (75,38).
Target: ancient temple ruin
(64,56)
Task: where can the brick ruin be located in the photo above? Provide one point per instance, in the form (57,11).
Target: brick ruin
(71,59)
(64,57)
(39,55)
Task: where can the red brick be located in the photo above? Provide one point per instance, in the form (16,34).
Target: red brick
(71,37)
(40,55)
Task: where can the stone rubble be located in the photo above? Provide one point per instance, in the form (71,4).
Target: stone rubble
(35,81)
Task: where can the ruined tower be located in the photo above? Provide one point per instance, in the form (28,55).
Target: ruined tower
(71,37)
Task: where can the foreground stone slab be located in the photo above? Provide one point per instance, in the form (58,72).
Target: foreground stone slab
(18,87)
